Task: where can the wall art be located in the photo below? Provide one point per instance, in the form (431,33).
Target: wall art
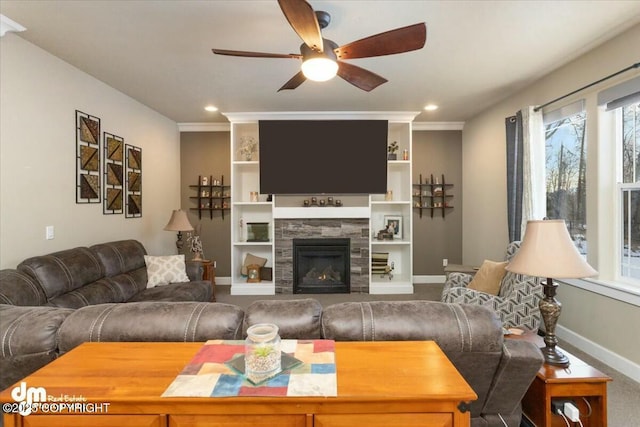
(113,174)
(133,175)
(87,158)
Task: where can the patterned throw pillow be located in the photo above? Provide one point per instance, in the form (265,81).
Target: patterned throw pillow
(162,270)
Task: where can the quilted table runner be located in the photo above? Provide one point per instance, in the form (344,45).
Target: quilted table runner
(209,373)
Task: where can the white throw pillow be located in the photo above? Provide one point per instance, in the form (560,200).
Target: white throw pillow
(162,270)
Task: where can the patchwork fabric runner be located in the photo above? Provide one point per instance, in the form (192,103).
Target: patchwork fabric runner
(208,375)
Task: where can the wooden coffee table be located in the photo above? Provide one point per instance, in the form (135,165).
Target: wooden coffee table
(580,382)
(379,384)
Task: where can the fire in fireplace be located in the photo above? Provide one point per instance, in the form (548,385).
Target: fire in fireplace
(321,266)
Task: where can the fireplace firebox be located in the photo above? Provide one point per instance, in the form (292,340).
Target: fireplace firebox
(321,266)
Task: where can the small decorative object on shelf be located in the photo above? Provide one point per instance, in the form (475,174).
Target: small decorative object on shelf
(314,201)
(205,180)
(393,224)
(253,273)
(262,353)
(322,202)
(306,203)
(248,146)
(388,197)
(391,151)
(405,154)
(338,202)
(432,194)
(253,196)
(330,201)
(257,232)
(195,244)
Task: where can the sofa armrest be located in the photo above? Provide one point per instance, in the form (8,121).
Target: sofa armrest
(28,337)
(519,365)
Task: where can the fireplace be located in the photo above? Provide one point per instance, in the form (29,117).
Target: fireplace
(321,266)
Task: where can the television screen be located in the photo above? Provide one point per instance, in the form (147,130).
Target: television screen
(323,156)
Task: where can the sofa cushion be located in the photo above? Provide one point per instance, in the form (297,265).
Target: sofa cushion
(296,319)
(120,257)
(64,271)
(99,292)
(188,291)
(151,321)
(162,270)
(489,277)
(17,288)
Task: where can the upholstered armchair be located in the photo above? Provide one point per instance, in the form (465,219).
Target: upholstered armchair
(516,303)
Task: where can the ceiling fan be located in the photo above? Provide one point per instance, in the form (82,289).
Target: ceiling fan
(322,58)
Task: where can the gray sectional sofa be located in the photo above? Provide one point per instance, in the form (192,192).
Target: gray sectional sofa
(498,369)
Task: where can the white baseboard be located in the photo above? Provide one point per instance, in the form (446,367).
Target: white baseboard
(223,280)
(428,279)
(606,356)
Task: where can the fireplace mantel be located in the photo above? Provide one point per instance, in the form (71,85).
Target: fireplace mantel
(321,212)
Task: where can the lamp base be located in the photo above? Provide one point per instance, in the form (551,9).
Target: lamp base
(550,309)
(553,356)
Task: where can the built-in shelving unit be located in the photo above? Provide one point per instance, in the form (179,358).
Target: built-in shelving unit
(377,209)
(432,195)
(212,196)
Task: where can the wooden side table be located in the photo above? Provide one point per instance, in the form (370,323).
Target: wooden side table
(580,382)
(459,268)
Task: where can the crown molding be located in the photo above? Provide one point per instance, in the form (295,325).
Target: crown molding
(392,116)
(204,127)
(438,126)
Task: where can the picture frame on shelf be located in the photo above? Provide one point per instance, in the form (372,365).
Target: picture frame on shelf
(393,224)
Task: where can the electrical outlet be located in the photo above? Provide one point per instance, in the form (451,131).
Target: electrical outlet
(49,232)
(445,262)
(214,264)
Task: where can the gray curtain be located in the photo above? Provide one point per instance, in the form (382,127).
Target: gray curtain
(514,175)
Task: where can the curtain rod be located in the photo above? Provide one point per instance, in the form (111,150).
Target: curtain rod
(636,65)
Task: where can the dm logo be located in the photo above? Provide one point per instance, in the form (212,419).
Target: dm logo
(27,397)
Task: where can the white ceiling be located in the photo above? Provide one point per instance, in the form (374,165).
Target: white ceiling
(159,52)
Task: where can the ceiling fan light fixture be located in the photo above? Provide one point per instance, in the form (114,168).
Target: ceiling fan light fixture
(319,69)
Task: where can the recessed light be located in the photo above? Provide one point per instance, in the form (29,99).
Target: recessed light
(430,107)
(211,108)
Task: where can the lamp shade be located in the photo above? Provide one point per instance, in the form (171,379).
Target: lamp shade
(547,251)
(178,222)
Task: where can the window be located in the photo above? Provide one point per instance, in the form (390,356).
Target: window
(565,169)
(630,192)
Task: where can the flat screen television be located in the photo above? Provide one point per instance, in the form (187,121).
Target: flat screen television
(323,156)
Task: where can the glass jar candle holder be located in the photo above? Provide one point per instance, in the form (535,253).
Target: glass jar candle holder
(263,357)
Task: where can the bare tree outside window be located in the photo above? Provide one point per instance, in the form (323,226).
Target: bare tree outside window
(630,191)
(566,160)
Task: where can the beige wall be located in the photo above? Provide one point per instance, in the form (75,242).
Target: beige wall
(39,96)
(484,181)
(438,153)
(207,153)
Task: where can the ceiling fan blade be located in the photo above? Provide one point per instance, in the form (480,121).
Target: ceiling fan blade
(303,20)
(359,77)
(294,82)
(255,54)
(400,40)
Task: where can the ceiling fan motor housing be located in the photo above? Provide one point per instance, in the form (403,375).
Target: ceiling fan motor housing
(329,46)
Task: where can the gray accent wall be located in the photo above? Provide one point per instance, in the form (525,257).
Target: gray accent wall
(207,153)
(437,153)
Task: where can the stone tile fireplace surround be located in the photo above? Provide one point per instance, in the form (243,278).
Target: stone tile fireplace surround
(355,229)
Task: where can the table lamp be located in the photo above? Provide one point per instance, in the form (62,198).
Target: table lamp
(179,222)
(547,251)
